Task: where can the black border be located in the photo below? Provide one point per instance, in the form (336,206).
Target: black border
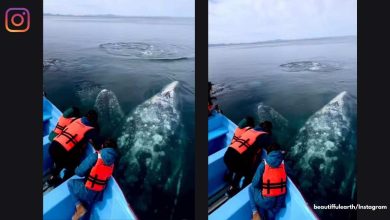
(373,108)
(21,92)
(21,108)
(201,77)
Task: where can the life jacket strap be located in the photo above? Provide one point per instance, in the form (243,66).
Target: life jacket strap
(235,138)
(243,143)
(95,180)
(60,127)
(268,185)
(69,136)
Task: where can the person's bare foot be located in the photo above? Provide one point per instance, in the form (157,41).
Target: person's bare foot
(256,216)
(80,212)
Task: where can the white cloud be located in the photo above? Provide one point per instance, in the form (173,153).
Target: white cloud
(171,8)
(233,21)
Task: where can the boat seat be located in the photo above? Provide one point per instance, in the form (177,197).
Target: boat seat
(216,172)
(236,208)
(216,140)
(217,133)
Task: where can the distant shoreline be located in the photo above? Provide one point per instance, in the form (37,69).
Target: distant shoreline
(284,41)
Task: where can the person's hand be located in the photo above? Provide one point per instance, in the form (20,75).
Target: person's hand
(256,216)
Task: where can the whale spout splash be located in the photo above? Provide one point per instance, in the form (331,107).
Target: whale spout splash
(147,51)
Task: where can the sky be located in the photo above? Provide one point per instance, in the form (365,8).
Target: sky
(242,21)
(169,8)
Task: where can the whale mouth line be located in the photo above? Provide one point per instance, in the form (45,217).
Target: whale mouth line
(147,51)
(310,66)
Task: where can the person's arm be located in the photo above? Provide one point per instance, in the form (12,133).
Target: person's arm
(86,165)
(258,178)
(93,138)
(256,186)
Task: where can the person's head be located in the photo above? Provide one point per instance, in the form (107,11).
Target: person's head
(274,146)
(110,143)
(266,126)
(76,112)
(250,121)
(92,116)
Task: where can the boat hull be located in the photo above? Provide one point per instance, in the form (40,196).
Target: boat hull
(238,207)
(58,204)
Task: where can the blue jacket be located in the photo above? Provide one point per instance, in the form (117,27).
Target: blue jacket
(77,186)
(271,205)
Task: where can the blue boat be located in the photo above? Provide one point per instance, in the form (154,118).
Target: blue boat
(221,207)
(57,202)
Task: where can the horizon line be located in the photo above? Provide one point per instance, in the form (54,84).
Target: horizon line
(114,15)
(281,40)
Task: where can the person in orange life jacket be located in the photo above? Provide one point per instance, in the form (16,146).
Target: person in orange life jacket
(268,190)
(96,170)
(246,123)
(68,147)
(242,156)
(67,117)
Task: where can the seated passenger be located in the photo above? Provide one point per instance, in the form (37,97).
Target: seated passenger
(268,190)
(96,169)
(242,156)
(66,118)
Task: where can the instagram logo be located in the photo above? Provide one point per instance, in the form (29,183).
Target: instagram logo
(17,20)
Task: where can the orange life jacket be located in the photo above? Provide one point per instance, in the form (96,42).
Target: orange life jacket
(99,175)
(274,180)
(238,132)
(72,134)
(62,123)
(246,140)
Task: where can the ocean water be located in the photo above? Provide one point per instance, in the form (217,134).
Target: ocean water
(139,74)
(308,89)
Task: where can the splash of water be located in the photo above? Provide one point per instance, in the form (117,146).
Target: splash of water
(147,51)
(310,66)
